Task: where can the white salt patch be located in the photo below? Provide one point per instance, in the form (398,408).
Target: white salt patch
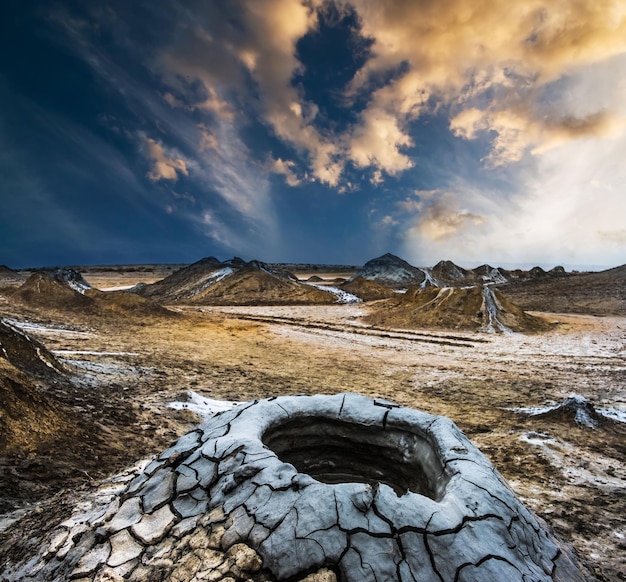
(613,413)
(89,353)
(342,296)
(121,288)
(41,328)
(201,405)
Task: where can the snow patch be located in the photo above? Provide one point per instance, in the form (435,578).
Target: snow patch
(613,414)
(28,326)
(202,406)
(90,353)
(493,325)
(121,288)
(342,296)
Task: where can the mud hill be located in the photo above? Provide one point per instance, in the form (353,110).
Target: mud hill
(474,308)
(257,284)
(391,271)
(367,289)
(127,304)
(447,274)
(26,353)
(602,293)
(66,290)
(489,274)
(54,290)
(8,275)
(233,282)
(577,410)
(29,419)
(188,281)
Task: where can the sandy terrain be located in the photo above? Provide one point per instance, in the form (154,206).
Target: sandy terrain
(127,371)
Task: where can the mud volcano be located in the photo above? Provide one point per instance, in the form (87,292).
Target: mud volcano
(280,489)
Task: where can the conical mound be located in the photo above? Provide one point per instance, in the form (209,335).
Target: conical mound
(472,308)
(367,289)
(257,284)
(602,293)
(188,281)
(25,353)
(391,271)
(61,289)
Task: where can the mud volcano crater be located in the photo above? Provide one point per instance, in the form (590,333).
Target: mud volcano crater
(333,451)
(289,486)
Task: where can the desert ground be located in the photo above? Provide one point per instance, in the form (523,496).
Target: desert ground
(127,373)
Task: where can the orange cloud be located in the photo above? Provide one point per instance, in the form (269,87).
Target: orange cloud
(163,167)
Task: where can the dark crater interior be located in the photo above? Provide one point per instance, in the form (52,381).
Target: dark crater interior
(333,451)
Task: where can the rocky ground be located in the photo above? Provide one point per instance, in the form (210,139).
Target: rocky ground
(126,371)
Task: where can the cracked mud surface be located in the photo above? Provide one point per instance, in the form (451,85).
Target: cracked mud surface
(221,482)
(571,477)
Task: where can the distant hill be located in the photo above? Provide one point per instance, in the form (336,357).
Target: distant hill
(188,281)
(60,289)
(367,289)
(66,290)
(257,284)
(473,308)
(602,293)
(234,282)
(391,271)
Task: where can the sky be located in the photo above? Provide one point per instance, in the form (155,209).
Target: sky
(313,131)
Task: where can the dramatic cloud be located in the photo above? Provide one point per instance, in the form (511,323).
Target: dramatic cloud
(285,168)
(492,61)
(163,167)
(450,129)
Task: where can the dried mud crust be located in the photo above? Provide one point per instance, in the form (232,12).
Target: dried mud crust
(472,382)
(221,490)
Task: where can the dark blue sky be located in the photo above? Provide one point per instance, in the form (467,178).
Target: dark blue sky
(310,132)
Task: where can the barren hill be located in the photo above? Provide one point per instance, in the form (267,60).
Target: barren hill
(26,353)
(188,281)
(367,289)
(256,284)
(447,274)
(473,308)
(66,290)
(28,418)
(489,274)
(602,293)
(60,289)
(391,271)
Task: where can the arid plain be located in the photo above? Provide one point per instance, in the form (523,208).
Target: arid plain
(125,369)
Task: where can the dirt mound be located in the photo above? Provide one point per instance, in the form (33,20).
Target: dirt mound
(391,271)
(52,290)
(27,417)
(602,293)
(366,289)
(489,274)
(447,274)
(188,281)
(129,304)
(474,308)
(25,353)
(257,284)
(576,410)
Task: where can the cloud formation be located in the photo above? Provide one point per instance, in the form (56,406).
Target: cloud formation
(530,89)
(163,166)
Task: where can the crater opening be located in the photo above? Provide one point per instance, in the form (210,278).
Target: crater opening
(333,451)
